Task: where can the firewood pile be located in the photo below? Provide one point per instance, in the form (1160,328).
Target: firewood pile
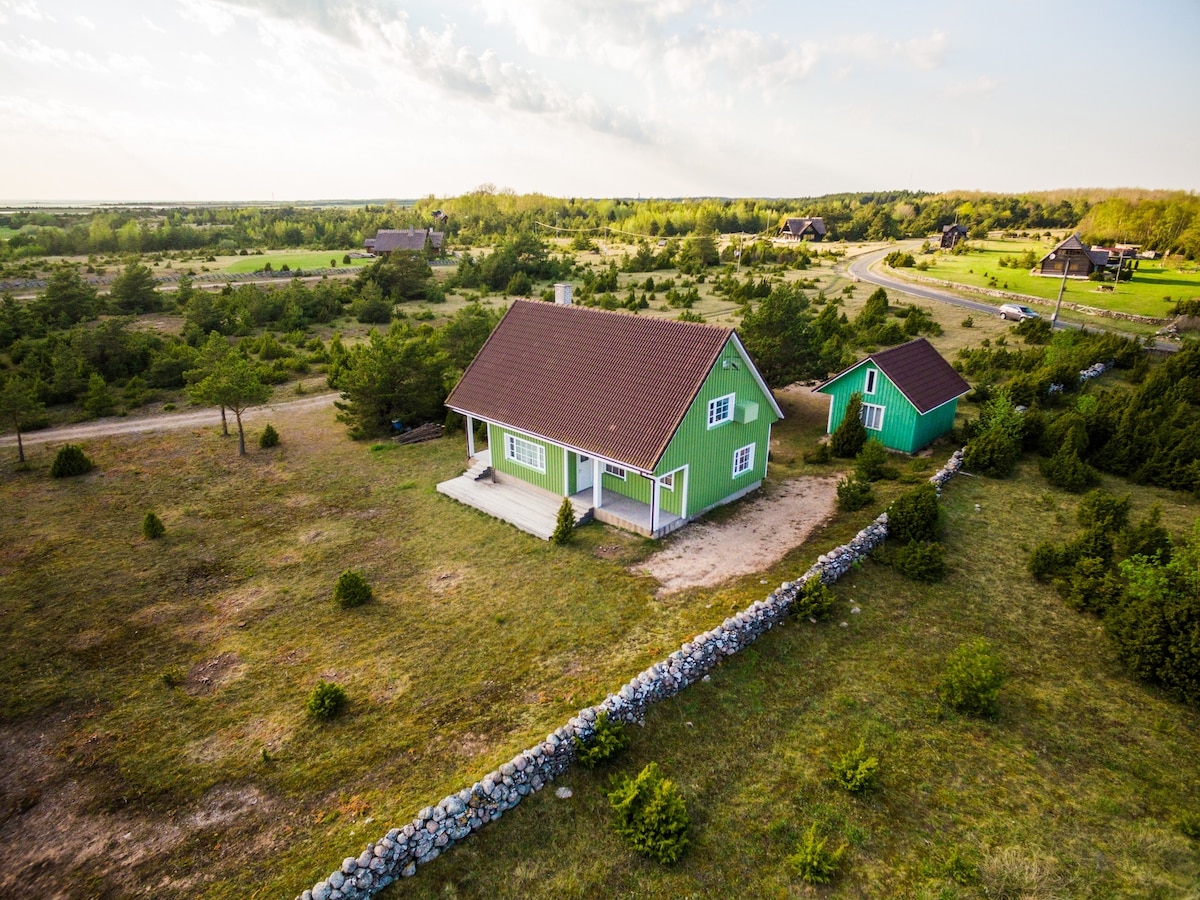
(428,432)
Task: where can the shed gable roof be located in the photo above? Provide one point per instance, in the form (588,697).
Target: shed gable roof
(388,240)
(612,384)
(918,371)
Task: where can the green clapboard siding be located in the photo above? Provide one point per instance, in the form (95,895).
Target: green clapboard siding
(708,452)
(904,428)
(551,480)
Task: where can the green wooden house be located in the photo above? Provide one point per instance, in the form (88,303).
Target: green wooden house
(645,423)
(909,395)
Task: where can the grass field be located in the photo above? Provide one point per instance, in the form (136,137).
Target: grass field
(1074,790)
(296,260)
(1155,286)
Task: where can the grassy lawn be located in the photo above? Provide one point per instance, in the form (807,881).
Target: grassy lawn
(167,679)
(1152,291)
(296,260)
(1073,790)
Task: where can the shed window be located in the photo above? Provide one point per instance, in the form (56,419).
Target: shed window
(668,481)
(743,460)
(872,416)
(525,453)
(614,471)
(870,387)
(720,410)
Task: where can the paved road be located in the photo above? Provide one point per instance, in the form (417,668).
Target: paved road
(165,422)
(861,269)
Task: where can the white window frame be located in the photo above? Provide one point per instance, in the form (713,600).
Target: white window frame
(615,471)
(668,481)
(872,379)
(869,410)
(514,446)
(714,405)
(747,457)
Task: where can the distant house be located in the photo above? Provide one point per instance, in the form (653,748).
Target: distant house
(388,240)
(951,235)
(909,395)
(1079,261)
(645,423)
(809,229)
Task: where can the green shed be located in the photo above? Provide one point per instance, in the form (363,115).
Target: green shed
(643,422)
(909,395)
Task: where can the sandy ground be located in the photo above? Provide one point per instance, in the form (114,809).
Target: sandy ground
(765,528)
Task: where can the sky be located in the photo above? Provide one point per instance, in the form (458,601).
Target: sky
(291,100)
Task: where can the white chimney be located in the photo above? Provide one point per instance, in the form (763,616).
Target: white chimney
(562,294)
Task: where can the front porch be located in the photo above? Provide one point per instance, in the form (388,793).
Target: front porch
(535,511)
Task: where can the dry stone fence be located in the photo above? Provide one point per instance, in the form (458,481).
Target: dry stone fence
(437,828)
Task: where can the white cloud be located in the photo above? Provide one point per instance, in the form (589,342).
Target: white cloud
(31,51)
(153,26)
(215,17)
(27,9)
(84,22)
(128,65)
(980,86)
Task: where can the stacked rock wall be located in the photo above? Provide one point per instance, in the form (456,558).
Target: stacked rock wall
(435,829)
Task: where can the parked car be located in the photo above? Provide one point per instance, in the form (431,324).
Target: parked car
(1017,312)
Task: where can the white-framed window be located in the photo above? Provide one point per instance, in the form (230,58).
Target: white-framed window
(720,410)
(872,416)
(525,453)
(668,481)
(614,471)
(869,388)
(743,460)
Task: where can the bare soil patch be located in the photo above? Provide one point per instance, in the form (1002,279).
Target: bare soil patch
(763,530)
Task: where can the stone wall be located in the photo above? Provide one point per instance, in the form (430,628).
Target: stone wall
(437,828)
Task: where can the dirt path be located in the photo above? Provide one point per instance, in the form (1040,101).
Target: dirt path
(763,530)
(166,422)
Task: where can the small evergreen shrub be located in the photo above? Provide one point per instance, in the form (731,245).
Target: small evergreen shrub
(1102,511)
(1066,470)
(1049,559)
(994,452)
(871,461)
(152,527)
(915,515)
(351,590)
(848,438)
(564,529)
(608,739)
(853,494)
(855,770)
(651,815)
(70,461)
(1189,825)
(921,561)
(812,862)
(1147,538)
(815,600)
(972,678)
(326,701)
(269,437)
(819,455)
(1091,586)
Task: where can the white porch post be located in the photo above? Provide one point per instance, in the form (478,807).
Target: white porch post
(654,487)
(470,437)
(596,475)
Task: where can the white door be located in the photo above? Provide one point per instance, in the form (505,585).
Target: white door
(583,473)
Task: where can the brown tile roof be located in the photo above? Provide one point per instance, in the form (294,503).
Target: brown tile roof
(799,226)
(612,384)
(920,373)
(388,240)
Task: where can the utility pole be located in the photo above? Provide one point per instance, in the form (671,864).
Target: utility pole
(1062,287)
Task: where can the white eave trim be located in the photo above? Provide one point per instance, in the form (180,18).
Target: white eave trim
(753,369)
